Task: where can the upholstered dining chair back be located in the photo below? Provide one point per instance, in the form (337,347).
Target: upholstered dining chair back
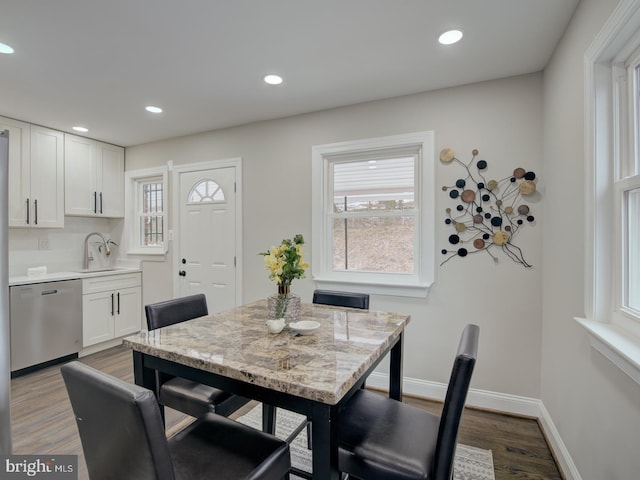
(383,438)
(184,395)
(123,437)
(120,426)
(174,311)
(341,299)
(454,402)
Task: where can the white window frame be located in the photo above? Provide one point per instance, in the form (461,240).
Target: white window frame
(415,284)
(614,330)
(625,176)
(134,180)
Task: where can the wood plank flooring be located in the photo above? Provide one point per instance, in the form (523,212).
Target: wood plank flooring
(42,422)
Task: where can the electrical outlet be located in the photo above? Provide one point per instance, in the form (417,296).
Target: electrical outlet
(43,244)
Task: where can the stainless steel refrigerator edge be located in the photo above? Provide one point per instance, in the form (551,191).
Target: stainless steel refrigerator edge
(5,375)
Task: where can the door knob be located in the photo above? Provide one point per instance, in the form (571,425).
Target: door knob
(182,273)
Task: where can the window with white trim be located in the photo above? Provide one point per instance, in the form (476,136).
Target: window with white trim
(626,185)
(373,215)
(206,191)
(612,147)
(146,196)
(150,212)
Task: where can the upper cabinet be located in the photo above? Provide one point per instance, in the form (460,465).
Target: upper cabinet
(94,178)
(36,175)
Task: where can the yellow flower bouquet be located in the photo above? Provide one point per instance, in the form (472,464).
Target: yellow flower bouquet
(285,263)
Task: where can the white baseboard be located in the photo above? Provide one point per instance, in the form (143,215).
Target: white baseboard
(99,347)
(514,404)
(557,446)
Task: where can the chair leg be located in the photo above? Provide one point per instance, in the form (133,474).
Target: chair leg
(309,433)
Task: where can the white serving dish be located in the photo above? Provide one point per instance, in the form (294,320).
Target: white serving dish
(304,327)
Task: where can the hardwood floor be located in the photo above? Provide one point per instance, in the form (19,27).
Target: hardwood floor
(519,448)
(42,422)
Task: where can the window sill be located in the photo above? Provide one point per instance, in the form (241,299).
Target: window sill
(160,252)
(615,343)
(418,290)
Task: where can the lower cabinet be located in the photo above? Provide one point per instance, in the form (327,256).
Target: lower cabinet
(111,307)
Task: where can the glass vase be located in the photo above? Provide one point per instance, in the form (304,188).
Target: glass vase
(284,304)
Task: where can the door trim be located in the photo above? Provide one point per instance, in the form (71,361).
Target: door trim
(174,221)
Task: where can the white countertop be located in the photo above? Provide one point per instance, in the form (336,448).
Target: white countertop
(54,277)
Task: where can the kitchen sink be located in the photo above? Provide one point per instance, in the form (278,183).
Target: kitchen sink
(97,270)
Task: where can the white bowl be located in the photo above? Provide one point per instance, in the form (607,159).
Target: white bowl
(304,327)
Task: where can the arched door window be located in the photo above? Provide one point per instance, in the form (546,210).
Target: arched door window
(206,191)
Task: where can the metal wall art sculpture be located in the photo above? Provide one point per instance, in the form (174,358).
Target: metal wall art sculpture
(489,213)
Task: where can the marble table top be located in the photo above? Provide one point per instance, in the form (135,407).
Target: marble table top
(322,366)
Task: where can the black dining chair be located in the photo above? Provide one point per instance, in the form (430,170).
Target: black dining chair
(123,437)
(341,299)
(382,438)
(184,395)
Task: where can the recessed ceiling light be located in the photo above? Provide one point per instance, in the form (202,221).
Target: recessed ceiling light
(273,79)
(81,129)
(4,48)
(153,109)
(450,36)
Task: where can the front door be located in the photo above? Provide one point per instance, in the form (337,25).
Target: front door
(207,230)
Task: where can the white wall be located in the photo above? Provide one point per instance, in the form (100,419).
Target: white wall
(594,405)
(502,118)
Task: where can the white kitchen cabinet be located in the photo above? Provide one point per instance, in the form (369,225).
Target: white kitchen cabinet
(36,175)
(111,307)
(19,156)
(94,178)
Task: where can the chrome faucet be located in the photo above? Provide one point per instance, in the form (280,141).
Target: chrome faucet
(107,250)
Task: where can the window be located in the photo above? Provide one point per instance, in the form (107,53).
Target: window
(146,197)
(150,212)
(373,214)
(626,186)
(628,192)
(206,191)
(612,147)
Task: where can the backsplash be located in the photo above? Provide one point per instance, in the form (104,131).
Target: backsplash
(61,249)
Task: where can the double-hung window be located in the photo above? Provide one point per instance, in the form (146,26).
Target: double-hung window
(373,214)
(626,187)
(146,194)
(612,89)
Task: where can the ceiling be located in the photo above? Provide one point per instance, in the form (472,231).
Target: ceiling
(98,63)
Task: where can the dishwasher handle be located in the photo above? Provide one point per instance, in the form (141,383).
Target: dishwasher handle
(49,292)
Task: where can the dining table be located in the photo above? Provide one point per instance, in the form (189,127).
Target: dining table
(313,375)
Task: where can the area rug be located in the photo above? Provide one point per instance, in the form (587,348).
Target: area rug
(471,463)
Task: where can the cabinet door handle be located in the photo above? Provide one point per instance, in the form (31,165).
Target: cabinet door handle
(112,304)
(35,207)
(118,303)
(28,208)
(100,202)
(95,202)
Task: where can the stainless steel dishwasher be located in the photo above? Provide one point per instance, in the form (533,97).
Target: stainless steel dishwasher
(46,323)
